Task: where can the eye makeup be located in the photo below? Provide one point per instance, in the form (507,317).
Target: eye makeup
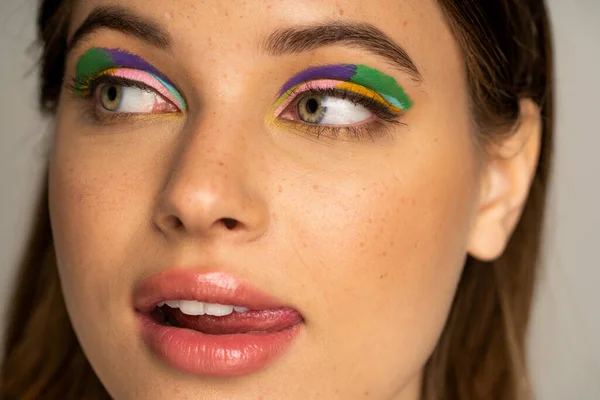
(99,62)
(358,79)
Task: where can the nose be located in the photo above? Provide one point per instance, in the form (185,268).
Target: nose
(212,190)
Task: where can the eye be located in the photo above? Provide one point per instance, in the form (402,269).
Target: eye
(358,103)
(329,110)
(123,99)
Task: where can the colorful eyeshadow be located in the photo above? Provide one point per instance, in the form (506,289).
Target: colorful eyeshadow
(101,61)
(349,77)
(285,100)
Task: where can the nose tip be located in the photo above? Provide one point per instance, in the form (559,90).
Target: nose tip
(202,209)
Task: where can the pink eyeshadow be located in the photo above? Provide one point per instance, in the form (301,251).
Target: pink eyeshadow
(320,84)
(147,79)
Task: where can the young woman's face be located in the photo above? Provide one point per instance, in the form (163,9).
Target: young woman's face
(211,161)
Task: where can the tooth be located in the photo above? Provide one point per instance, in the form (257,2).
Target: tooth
(191,307)
(218,310)
(240,309)
(162,303)
(172,303)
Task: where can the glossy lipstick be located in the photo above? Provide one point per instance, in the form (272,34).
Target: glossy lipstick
(251,341)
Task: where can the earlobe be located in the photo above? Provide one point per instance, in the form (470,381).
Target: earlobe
(505,183)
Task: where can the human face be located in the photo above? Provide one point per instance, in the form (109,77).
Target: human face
(357,234)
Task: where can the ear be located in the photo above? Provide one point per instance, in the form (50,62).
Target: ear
(505,183)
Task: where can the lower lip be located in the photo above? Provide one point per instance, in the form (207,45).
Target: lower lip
(215,355)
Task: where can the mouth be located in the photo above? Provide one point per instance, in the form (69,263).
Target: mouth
(212,324)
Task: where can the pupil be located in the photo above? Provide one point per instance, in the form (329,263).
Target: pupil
(112,93)
(312,105)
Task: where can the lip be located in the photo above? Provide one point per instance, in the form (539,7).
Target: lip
(212,287)
(198,353)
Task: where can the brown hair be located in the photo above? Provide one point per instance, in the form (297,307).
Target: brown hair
(508,56)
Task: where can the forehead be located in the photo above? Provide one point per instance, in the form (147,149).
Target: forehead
(235,29)
(395,12)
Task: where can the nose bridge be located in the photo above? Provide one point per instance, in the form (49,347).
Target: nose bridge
(212,145)
(211,186)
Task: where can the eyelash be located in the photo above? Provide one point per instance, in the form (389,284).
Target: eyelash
(85,87)
(372,130)
(367,131)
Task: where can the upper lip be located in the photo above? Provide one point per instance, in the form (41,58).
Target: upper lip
(207,287)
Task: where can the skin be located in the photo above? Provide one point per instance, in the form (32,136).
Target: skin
(366,239)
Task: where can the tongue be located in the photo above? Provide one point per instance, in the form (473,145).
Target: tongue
(266,321)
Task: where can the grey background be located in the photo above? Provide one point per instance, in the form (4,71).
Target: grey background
(565,336)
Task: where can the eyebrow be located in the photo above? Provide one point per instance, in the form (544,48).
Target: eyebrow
(283,41)
(361,35)
(120,19)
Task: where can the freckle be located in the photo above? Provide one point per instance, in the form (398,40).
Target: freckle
(362,244)
(221,163)
(316,187)
(280,189)
(370,220)
(268,6)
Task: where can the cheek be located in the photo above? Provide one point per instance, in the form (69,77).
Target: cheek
(387,248)
(96,183)
(100,198)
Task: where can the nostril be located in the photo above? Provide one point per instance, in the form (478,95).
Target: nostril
(229,223)
(177,223)
(173,222)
